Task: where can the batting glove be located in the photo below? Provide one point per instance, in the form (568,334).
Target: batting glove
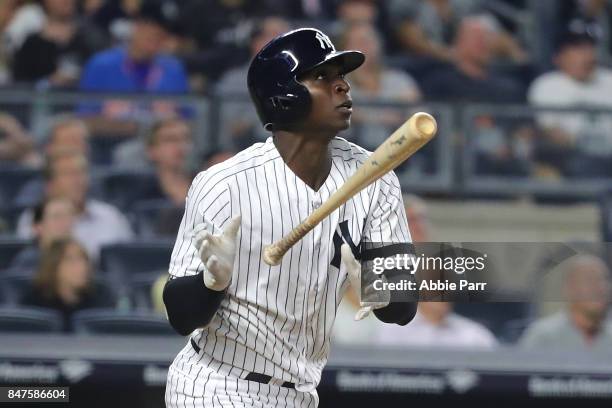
(353,268)
(217,253)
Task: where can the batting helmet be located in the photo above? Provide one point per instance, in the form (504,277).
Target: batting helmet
(280,99)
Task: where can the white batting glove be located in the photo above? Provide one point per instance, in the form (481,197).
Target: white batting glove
(353,268)
(217,253)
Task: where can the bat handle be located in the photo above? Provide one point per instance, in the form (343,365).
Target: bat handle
(274,253)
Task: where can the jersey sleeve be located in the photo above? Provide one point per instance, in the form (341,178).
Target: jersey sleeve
(386,222)
(207,207)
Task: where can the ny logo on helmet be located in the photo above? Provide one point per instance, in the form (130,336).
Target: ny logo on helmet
(324,41)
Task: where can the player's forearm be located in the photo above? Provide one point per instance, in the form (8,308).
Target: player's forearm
(401,313)
(403,305)
(190,304)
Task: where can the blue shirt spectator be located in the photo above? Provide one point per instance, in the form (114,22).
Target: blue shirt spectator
(141,66)
(114,71)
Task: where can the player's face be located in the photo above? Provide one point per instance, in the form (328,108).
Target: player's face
(331,108)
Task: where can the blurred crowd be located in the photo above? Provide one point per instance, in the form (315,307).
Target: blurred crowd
(85,187)
(547,55)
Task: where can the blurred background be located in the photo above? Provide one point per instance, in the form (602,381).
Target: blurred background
(108,108)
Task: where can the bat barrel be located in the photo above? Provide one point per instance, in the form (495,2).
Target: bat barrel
(423,125)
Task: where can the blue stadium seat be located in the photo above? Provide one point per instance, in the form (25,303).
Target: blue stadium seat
(157,218)
(9,248)
(140,288)
(109,321)
(125,259)
(29,320)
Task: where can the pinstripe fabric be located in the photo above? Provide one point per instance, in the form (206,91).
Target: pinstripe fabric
(274,320)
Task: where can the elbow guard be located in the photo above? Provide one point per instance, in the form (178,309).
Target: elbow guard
(189,303)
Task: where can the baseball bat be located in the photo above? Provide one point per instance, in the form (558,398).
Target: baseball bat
(403,143)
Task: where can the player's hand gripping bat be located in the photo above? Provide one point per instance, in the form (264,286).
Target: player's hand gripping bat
(403,143)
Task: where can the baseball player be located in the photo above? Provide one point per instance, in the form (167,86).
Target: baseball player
(260,334)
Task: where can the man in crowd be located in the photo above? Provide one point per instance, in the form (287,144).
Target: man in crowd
(583,324)
(54,55)
(141,67)
(470,78)
(98,223)
(53,219)
(575,144)
(239,124)
(65,132)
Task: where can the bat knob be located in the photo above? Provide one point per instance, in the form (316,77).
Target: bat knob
(271,255)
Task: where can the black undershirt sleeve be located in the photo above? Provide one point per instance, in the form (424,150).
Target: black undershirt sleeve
(189,303)
(403,305)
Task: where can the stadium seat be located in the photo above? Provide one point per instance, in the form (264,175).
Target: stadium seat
(124,188)
(125,259)
(9,248)
(157,218)
(29,320)
(11,181)
(4,296)
(15,283)
(109,321)
(140,287)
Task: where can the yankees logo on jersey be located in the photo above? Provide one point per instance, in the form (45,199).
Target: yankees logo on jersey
(274,320)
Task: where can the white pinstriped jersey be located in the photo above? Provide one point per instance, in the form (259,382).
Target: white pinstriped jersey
(277,320)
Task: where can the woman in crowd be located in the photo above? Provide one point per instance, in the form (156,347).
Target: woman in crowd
(64,281)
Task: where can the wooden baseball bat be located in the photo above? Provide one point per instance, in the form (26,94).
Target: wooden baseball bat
(406,140)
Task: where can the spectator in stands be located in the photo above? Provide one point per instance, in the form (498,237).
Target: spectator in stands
(436,326)
(427,28)
(66,132)
(375,81)
(114,17)
(141,66)
(317,10)
(597,15)
(575,144)
(583,324)
(28,18)
(64,282)
(56,53)
(16,145)
(168,146)
(351,12)
(98,223)
(418,218)
(53,219)
(240,126)
(220,31)
(7,12)
(471,78)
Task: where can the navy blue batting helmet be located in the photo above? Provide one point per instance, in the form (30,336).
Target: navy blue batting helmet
(280,99)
